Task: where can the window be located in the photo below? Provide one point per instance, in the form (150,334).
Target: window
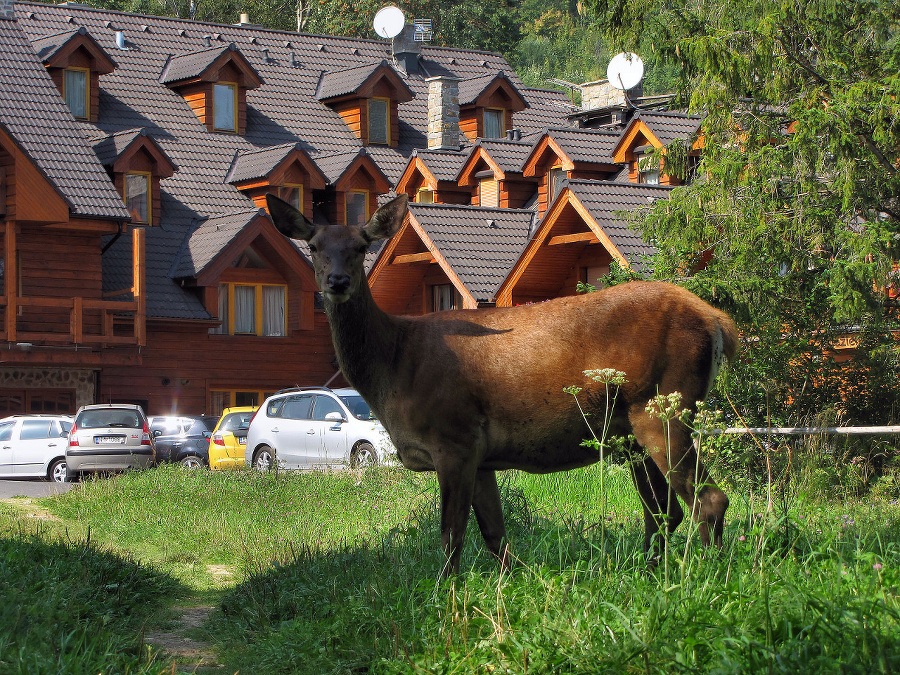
(357,208)
(137,196)
(493,123)
(295,407)
(225,106)
(324,405)
(444,296)
(76,91)
(34,429)
(219,399)
(293,195)
(488,193)
(557,176)
(379,121)
(425,196)
(648,170)
(252,309)
(6,430)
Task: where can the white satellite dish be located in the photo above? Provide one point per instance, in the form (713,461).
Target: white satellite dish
(389,21)
(625,71)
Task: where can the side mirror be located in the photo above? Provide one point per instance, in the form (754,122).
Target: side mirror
(157,432)
(335,417)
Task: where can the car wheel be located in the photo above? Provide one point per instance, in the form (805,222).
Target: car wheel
(192,462)
(264,459)
(57,470)
(363,455)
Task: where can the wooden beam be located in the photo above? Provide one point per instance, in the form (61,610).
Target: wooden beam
(573,238)
(427,256)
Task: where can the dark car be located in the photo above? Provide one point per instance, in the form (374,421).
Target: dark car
(183,438)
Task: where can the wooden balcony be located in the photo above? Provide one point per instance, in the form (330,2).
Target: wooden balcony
(72,321)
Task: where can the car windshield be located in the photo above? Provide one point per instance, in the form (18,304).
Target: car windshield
(98,419)
(358,407)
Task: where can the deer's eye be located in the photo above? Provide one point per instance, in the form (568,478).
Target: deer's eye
(312,248)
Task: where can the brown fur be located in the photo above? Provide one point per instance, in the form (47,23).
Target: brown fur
(466,393)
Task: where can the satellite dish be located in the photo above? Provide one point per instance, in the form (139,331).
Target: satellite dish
(625,71)
(389,21)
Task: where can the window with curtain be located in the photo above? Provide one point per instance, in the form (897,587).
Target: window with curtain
(293,195)
(493,123)
(379,118)
(225,107)
(273,311)
(137,196)
(244,309)
(357,208)
(425,196)
(75,90)
(557,176)
(444,296)
(252,309)
(489,193)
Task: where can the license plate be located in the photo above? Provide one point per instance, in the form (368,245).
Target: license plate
(242,441)
(109,439)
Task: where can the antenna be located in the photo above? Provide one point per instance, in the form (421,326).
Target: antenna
(389,21)
(625,71)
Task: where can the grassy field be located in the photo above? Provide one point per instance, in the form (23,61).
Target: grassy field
(339,573)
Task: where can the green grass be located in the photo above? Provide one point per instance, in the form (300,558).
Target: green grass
(339,573)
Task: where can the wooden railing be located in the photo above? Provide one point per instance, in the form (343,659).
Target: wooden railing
(92,322)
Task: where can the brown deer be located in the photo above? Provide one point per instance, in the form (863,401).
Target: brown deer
(466,393)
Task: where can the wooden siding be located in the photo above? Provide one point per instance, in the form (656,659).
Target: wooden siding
(352,114)
(515,193)
(470,123)
(29,197)
(183,362)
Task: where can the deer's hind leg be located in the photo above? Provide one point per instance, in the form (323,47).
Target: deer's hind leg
(661,508)
(489,514)
(668,443)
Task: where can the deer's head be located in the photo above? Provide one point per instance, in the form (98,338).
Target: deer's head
(338,252)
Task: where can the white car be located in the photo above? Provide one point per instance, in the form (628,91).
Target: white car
(34,446)
(308,427)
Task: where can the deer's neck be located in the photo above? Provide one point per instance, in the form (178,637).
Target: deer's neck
(365,339)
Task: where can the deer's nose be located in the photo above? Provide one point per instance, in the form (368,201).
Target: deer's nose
(338,282)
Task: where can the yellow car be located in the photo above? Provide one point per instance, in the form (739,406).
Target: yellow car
(226,445)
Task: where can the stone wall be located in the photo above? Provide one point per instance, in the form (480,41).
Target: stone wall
(443,113)
(82,381)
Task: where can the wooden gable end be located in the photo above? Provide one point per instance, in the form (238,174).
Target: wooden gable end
(568,247)
(29,196)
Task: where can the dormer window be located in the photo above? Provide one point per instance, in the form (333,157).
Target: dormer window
(488,193)
(75,62)
(648,170)
(77,91)
(366,97)
(214,83)
(137,196)
(225,106)
(285,171)
(379,121)
(357,207)
(494,126)
(425,196)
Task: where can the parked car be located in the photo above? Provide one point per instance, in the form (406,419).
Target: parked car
(314,426)
(34,446)
(182,438)
(229,438)
(109,437)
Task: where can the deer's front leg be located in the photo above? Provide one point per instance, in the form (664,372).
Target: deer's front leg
(456,480)
(489,514)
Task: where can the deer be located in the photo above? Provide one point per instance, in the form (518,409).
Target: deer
(470,392)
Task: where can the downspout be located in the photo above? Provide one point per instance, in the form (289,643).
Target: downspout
(114,239)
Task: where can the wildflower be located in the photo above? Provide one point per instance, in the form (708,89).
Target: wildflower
(876,566)
(742,538)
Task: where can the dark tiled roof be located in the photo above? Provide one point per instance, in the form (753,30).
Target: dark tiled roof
(470,89)
(208,239)
(481,245)
(509,155)
(586,145)
(191,65)
(252,164)
(443,164)
(33,113)
(668,127)
(604,200)
(110,146)
(283,111)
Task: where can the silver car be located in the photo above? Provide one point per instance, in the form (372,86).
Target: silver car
(109,437)
(308,427)
(34,446)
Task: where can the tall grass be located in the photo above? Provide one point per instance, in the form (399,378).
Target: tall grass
(339,573)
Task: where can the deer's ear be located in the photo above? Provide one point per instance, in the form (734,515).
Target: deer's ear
(289,221)
(387,220)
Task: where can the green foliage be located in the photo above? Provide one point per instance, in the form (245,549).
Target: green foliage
(793,222)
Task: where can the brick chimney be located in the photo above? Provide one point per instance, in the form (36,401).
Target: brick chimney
(8,9)
(443,113)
